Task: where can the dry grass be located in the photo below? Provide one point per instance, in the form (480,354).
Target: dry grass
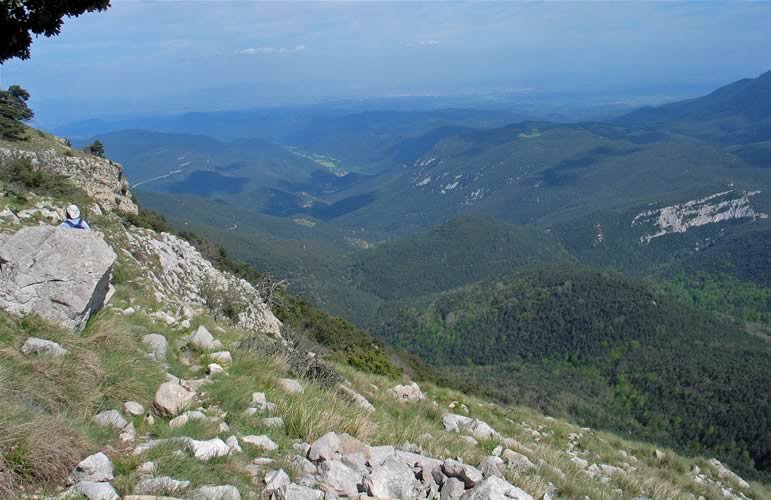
(48,403)
(35,452)
(319,411)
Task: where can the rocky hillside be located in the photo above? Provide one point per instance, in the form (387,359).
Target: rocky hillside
(132,367)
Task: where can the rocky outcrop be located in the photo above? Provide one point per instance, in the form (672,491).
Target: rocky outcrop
(171,398)
(61,274)
(408,393)
(34,345)
(718,207)
(97,468)
(344,466)
(100,178)
(184,278)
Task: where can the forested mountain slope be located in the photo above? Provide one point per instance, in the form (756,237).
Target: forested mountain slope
(607,349)
(738,113)
(178,384)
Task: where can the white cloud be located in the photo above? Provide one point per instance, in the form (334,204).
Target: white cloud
(270,50)
(423,43)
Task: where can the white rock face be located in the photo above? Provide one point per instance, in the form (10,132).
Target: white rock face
(261,403)
(133,408)
(714,208)
(94,491)
(517,461)
(206,450)
(726,474)
(299,492)
(171,398)
(272,422)
(339,479)
(357,398)
(452,489)
(466,473)
(61,274)
(179,421)
(216,493)
(409,393)
(100,178)
(214,369)
(495,487)
(96,468)
(393,479)
(184,274)
(478,428)
(159,485)
(262,442)
(453,422)
(325,447)
(35,345)
(203,340)
(221,357)
(232,443)
(110,418)
(276,484)
(290,385)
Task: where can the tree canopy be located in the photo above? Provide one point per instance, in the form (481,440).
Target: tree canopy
(96,148)
(13,111)
(20,19)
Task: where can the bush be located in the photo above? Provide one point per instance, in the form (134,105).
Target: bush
(148,219)
(96,148)
(19,174)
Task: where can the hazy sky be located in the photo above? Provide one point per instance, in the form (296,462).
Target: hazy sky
(176,55)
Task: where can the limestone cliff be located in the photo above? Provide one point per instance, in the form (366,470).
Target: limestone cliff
(100,178)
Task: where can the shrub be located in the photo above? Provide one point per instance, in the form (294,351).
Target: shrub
(148,219)
(19,174)
(96,148)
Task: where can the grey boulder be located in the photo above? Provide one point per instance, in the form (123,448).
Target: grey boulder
(202,340)
(495,488)
(92,490)
(110,418)
(61,274)
(159,485)
(172,398)
(452,489)
(338,478)
(157,345)
(325,447)
(393,479)
(34,345)
(96,468)
(466,473)
(226,492)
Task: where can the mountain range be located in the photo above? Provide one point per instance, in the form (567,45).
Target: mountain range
(628,257)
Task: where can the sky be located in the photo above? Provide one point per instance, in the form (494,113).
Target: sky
(172,56)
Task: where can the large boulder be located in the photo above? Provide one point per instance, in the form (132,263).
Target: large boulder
(496,488)
(96,468)
(61,274)
(172,398)
(393,479)
(34,345)
(324,448)
(410,392)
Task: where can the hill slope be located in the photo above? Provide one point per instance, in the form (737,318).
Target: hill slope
(107,411)
(738,113)
(606,349)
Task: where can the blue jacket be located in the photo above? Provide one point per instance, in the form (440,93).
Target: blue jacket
(74,224)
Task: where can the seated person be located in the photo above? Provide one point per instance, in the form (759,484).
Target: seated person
(74,221)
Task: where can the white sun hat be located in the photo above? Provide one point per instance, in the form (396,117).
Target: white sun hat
(73,212)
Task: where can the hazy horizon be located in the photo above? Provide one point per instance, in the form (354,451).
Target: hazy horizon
(163,57)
